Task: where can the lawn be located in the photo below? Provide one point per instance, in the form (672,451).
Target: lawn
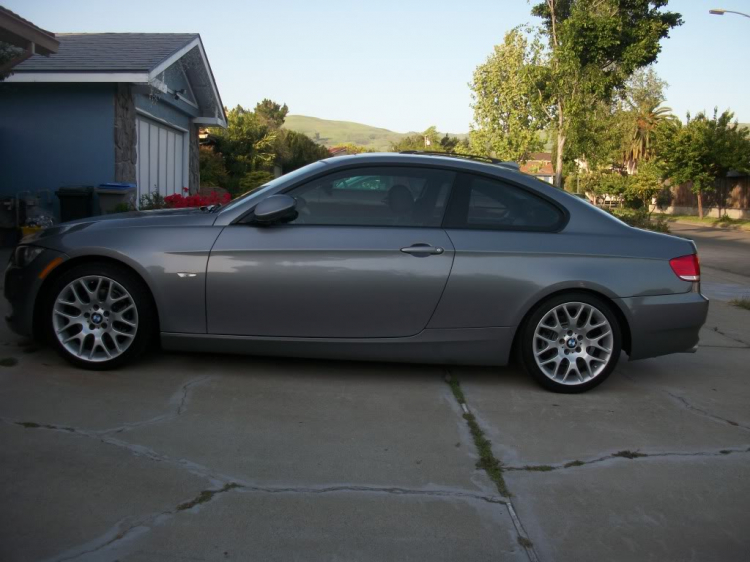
(723,222)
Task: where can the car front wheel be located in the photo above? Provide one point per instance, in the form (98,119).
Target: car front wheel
(100,316)
(571,343)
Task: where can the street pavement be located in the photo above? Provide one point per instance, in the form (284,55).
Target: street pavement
(205,457)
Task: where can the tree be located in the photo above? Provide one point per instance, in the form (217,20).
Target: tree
(254,142)
(703,150)
(298,150)
(643,113)
(429,140)
(646,184)
(212,170)
(271,113)
(508,117)
(593,48)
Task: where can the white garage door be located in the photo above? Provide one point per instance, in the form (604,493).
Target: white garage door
(162,158)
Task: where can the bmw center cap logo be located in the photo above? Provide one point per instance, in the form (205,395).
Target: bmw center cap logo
(572,343)
(96,317)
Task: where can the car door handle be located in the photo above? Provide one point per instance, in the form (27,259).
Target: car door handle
(423,250)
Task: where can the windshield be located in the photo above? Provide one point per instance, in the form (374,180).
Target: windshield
(291,176)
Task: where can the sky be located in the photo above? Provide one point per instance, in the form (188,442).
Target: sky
(402,65)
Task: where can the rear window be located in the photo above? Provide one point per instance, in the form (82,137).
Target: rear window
(489,204)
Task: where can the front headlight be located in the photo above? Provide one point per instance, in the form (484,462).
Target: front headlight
(24,255)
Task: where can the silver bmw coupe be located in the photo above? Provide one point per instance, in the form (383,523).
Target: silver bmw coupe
(387,257)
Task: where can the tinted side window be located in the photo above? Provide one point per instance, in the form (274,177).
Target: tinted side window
(492,204)
(378,196)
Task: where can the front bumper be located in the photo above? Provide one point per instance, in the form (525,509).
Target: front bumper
(22,285)
(664,324)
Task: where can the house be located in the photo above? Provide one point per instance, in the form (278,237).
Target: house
(108,107)
(539,165)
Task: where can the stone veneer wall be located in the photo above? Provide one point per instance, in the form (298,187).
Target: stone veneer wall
(125,135)
(194,168)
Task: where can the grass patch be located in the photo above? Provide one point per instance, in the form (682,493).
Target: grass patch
(573,463)
(456,388)
(8,362)
(722,222)
(487,460)
(206,496)
(629,454)
(741,303)
(524,542)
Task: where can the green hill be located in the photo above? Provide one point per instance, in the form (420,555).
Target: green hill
(332,133)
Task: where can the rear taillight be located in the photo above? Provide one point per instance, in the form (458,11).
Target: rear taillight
(687,268)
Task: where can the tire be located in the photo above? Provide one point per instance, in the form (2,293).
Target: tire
(100,316)
(584,350)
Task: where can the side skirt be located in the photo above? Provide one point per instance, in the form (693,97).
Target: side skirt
(466,346)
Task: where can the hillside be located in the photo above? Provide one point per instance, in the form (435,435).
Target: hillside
(331,133)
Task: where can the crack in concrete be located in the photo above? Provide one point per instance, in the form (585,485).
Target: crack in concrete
(686,403)
(480,442)
(179,399)
(438,493)
(117,534)
(716,329)
(629,455)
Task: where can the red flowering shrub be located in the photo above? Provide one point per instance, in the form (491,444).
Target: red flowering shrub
(178,201)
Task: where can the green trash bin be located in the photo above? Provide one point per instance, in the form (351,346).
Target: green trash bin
(75,202)
(113,194)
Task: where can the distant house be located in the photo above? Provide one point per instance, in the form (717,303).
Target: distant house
(539,165)
(108,107)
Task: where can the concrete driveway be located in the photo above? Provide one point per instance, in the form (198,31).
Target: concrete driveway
(184,457)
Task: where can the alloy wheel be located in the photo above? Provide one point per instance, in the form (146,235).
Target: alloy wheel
(95,318)
(573,343)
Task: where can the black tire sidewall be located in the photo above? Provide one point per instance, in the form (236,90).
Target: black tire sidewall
(527,341)
(141,297)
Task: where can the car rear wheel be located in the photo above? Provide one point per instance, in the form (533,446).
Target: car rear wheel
(100,316)
(571,343)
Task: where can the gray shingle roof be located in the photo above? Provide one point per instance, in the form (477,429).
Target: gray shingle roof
(108,52)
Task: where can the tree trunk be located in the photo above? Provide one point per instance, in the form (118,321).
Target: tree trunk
(559,159)
(700,203)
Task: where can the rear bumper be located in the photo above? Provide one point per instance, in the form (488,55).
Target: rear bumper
(664,324)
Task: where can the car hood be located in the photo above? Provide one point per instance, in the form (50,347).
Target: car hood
(156,218)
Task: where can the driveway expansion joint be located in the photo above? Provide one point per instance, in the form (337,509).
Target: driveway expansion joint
(626,454)
(490,464)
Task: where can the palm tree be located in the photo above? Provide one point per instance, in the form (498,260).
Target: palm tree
(639,142)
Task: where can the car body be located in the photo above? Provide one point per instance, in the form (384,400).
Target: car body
(395,257)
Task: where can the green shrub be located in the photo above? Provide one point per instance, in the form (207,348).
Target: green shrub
(639,218)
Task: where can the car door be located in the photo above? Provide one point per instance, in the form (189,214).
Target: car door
(508,247)
(365,258)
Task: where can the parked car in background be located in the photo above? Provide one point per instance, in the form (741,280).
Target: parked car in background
(394,257)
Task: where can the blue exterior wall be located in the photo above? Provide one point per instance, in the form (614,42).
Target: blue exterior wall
(55,134)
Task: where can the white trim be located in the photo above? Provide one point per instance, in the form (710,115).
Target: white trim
(174,58)
(159,85)
(183,99)
(159,120)
(135,77)
(209,121)
(189,85)
(217,97)
(185,161)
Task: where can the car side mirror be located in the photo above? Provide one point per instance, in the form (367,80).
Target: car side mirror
(275,209)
